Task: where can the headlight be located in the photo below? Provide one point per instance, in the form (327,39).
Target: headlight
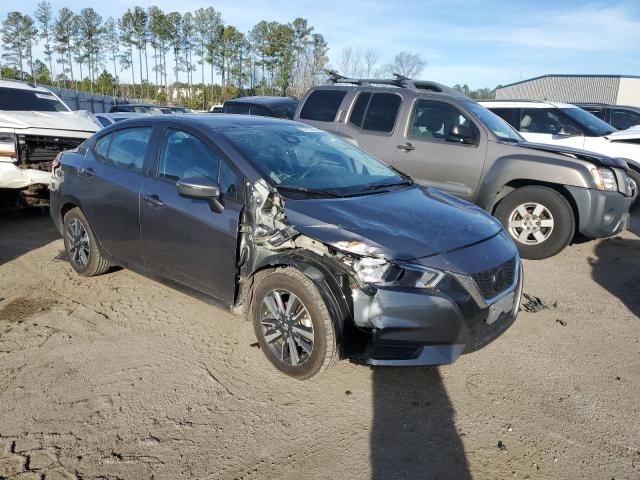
(8,145)
(379,272)
(605,179)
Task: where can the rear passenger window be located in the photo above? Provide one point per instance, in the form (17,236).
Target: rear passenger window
(260,111)
(101,147)
(128,148)
(504,113)
(382,112)
(237,108)
(322,105)
(357,114)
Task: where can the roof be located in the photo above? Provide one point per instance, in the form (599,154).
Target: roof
(527,103)
(215,121)
(263,100)
(23,86)
(568,75)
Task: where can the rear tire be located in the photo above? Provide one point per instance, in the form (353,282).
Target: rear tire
(635,176)
(292,323)
(539,220)
(81,245)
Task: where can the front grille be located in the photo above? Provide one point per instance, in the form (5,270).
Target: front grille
(496,280)
(481,334)
(37,151)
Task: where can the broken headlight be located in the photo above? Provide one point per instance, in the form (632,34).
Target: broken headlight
(605,179)
(379,272)
(8,145)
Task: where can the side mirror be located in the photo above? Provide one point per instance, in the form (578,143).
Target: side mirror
(567,132)
(462,133)
(202,188)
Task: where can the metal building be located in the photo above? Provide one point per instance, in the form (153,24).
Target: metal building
(611,89)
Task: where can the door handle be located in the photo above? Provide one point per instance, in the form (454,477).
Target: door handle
(153,200)
(407,147)
(87,172)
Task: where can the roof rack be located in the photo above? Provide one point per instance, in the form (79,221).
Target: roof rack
(399,81)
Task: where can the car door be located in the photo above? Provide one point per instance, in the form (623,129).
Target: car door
(371,122)
(183,239)
(110,185)
(549,125)
(426,149)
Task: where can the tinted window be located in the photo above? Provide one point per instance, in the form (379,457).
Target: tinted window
(235,107)
(623,119)
(595,111)
(184,155)
(103,121)
(285,110)
(322,105)
(545,120)
(432,120)
(102,147)
(586,122)
(382,112)
(128,148)
(504,113)
(357,114)
(260,111)
(15,99)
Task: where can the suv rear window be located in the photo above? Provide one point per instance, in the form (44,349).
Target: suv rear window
(322,105)
(376,112)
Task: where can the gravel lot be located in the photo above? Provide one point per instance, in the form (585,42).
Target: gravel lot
(121,377)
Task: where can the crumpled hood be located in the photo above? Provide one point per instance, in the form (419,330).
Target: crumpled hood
(403,225)
(80,120)
(628,134)
(592,157)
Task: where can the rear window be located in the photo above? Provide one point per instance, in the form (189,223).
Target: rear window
(322,105)
(18,100)
(376,112)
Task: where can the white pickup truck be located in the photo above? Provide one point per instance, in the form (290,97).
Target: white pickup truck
(35,125)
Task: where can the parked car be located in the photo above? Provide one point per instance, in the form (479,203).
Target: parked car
(107,119)
(35,125)
(543,195)
(215,109)
(136,108)
(618,116)
(174,110)
(278,107)
(567,125)
(330,252)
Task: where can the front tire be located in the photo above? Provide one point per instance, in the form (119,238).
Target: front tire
(539,220)
(81,245)
(292,323)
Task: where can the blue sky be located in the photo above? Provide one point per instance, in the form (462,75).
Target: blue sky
(480,43)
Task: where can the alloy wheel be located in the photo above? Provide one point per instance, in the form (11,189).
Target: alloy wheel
(78,243)
(286,327)
(531,223)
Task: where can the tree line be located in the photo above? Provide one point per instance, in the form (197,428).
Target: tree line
(87,52)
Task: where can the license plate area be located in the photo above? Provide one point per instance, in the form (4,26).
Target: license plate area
(501,307)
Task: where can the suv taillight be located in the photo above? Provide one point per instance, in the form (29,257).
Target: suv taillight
(55,164)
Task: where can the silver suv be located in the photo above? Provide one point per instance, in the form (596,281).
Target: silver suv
(543,195)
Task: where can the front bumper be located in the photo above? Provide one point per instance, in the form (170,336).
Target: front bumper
(601,214)
(433,327)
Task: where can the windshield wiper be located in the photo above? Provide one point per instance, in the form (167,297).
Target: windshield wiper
(308,191)
(379,186)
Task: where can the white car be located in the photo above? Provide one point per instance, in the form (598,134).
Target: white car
(35,125)
(564,124)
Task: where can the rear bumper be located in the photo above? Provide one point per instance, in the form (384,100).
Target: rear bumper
(600,214)
(412,327)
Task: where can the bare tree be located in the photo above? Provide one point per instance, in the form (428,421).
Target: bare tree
(370,62)
(408,64)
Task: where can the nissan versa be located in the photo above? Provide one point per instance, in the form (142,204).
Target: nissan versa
(330,252)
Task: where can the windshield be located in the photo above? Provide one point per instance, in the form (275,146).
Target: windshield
(19,100)
(301,157)
(493,122)
(284,110)
(589,122)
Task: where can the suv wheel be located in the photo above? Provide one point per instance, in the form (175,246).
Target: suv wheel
(292,323)
(635,176)
(81,246)
(539,219)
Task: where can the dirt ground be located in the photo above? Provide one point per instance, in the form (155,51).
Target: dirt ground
(119,377)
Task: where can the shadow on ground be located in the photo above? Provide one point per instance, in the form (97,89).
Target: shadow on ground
(611,254)
(413,433)
(32,227)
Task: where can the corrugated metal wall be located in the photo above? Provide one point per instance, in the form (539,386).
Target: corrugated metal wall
(84,100)
(569,89)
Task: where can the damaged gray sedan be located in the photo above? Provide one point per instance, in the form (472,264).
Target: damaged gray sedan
(331,253)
